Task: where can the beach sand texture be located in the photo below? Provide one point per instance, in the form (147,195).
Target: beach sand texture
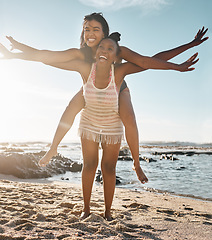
(51,210)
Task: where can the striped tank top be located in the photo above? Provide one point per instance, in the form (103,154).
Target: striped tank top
(100,120)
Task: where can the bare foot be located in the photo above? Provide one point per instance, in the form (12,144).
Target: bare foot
(47,157)
(140,174)
(84,215)
(108,216)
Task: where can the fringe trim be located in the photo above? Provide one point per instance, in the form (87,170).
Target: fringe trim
(98,137)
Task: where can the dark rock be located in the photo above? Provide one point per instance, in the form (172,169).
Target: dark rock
(100,180)
(75,167)
(187,153)
(180,168)
(168,157)
(125,158)
(124,151)
(118,181)
(62,178)
(26,165)
(99,176)
(147,159)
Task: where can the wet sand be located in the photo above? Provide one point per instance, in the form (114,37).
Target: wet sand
(51,210)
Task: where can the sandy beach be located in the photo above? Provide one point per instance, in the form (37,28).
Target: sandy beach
(51,210)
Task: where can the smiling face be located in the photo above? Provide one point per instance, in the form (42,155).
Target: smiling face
(93,33)
(106,51)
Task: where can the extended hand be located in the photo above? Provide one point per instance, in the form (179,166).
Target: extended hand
(199,37)
(6,53)
(13,43)
(185,67)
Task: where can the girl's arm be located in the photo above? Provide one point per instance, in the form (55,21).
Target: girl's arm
(142,61)
(128,68)
(73,65)
(169,54)
(46,56)
(79,66)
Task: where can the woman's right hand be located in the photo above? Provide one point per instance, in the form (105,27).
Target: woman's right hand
(47,157)
(186,66)
(43,162)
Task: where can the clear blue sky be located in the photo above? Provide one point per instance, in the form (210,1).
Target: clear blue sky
(169,105)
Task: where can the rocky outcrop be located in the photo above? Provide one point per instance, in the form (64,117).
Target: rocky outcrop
(26,165)
(100,180)
(186,153)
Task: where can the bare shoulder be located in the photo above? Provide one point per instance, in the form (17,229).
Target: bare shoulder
(124,51)
(126,68)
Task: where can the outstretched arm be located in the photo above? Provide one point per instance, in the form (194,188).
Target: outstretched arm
(79,66)
(198,39)
(46,56)
(142,61)
(128,68)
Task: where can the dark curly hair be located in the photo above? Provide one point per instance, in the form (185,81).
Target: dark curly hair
(115,36)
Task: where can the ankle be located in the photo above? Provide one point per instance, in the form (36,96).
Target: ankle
(86,210)
(108,215)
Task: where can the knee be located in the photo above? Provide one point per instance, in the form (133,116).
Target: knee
(90,166)
(108,168)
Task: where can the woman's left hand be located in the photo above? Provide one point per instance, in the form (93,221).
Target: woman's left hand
(186,66)
(6,53)
(199,37)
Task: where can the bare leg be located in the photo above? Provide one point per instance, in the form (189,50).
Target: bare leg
(131,131)
(90,163)
(108,166)
(66,121)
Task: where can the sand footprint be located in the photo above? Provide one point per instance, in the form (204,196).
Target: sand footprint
(170,219)
(26,226)
(93,204)
(95,218)
(16,222)
(137,206)
(167,211)
(66,205)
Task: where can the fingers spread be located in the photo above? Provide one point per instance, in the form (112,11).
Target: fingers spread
(205,31)
(195,61)
(192,57)
(204,39)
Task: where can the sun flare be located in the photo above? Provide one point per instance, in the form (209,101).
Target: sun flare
(9,83)
(11,96)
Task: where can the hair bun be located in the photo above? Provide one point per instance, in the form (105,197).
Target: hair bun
(115,36)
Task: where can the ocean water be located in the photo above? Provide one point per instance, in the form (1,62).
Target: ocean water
(190,175)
